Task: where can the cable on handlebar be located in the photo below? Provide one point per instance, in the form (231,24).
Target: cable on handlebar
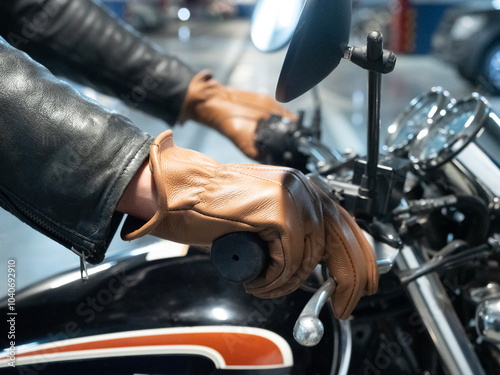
(447,258)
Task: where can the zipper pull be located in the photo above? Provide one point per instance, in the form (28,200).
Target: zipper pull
(84,274)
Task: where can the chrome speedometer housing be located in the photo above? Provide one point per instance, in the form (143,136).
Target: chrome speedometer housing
(450,133)
(420,113)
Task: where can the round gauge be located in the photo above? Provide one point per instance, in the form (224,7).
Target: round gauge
(419,114)
(448,135)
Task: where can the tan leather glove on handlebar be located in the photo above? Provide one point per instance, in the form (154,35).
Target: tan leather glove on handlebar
(233,113)
(201,200)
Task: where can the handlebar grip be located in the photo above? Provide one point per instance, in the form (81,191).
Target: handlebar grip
(239,257)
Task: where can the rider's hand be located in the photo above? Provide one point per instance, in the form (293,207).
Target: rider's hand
(200,200)
(233,113)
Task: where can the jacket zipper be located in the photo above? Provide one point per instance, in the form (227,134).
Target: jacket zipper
(52,232)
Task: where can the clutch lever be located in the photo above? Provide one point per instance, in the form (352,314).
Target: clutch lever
(308,329)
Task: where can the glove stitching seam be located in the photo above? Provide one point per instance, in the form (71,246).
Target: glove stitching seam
(356,281)
(298,175)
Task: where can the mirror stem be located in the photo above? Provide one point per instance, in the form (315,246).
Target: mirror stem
(374,93)
(374,52)
(377,61)
(368,189)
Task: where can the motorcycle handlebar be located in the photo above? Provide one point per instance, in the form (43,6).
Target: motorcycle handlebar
(239,257)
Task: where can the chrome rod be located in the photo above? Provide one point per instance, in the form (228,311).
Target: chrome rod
(346,345)
(446,331)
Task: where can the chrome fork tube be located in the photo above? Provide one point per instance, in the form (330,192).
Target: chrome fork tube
(436,311)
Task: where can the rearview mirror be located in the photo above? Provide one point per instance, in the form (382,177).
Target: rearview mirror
(317,46)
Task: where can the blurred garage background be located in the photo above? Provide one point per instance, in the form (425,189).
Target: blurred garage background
(429,38)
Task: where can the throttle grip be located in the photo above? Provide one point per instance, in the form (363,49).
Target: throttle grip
(239,257)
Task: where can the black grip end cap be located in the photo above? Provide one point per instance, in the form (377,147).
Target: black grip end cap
(239,257)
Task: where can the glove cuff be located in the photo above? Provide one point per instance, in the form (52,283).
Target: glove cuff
(180,177)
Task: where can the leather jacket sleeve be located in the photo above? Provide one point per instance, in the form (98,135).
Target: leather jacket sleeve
(78,39)
(64,159)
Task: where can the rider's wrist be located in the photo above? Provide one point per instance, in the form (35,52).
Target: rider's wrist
(139,198)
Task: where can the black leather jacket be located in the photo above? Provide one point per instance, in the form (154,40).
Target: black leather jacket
(64,159)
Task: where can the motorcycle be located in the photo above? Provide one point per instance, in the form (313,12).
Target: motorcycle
(428,203)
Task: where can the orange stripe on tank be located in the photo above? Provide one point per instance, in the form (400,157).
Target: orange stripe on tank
(237,349)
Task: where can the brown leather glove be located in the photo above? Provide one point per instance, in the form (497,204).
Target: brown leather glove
(231,112)
(199,200)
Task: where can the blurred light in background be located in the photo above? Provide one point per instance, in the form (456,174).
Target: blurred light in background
(466,26)
(183,14)
(184,33)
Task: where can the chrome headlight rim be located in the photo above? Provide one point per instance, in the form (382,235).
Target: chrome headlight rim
(476,121)
(438,96)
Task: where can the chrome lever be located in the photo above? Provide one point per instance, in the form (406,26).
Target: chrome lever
(308,329)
